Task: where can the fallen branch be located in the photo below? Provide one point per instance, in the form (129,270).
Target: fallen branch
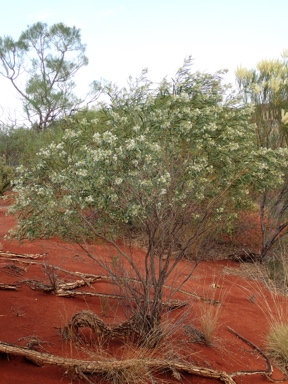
(110,279)
(169,305)
(266,372)
(8,254)
(8,287)
(60,287)
(69,293)
(116,366)
(56,268)
(198,297)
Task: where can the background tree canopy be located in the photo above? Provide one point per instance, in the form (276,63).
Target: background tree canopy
(266,89)
(47,58)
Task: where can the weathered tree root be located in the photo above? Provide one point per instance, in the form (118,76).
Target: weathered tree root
(8,254)
(89,319)
(108,366)
(118,367)
(60,287)
(8,287)
(266,372)
(129,328)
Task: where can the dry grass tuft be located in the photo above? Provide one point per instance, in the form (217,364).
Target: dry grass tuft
(209,321)
(203,328)
(277,343)
(269,289)
(130,375)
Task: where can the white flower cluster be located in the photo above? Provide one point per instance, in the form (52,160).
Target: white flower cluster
(159,153)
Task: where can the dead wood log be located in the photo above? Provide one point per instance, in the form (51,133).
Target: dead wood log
(56,268)
(110,279)
(103,367)
(60,287)
(8,287)
(118,367)
(8,254)
(91,278)
(77,283)
(107,366)
(169,305)
(70,293)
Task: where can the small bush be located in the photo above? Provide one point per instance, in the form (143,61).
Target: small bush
(6,176)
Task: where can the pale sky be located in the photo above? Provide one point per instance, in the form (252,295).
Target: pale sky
(125,36)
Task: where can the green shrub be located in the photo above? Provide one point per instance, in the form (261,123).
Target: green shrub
(6,176)
(19,145)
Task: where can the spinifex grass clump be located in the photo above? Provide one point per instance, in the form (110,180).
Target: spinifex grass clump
(209,320)
(277,342)
(270,294)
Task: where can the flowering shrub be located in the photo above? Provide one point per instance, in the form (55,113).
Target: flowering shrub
(152,151)
(167,159)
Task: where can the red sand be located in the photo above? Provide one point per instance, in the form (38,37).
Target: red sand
(27,312)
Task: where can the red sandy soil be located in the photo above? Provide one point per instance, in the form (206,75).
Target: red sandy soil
(27,313)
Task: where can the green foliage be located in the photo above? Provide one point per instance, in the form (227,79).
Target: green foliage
(50,57)
(6,176)
(19,145)
(266,88)
(182,149)
(172,160)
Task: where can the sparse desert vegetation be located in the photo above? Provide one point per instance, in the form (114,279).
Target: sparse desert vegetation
(125,226)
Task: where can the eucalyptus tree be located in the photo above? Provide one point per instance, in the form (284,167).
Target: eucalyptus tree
(266,89)
(170,160)
(41,66)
